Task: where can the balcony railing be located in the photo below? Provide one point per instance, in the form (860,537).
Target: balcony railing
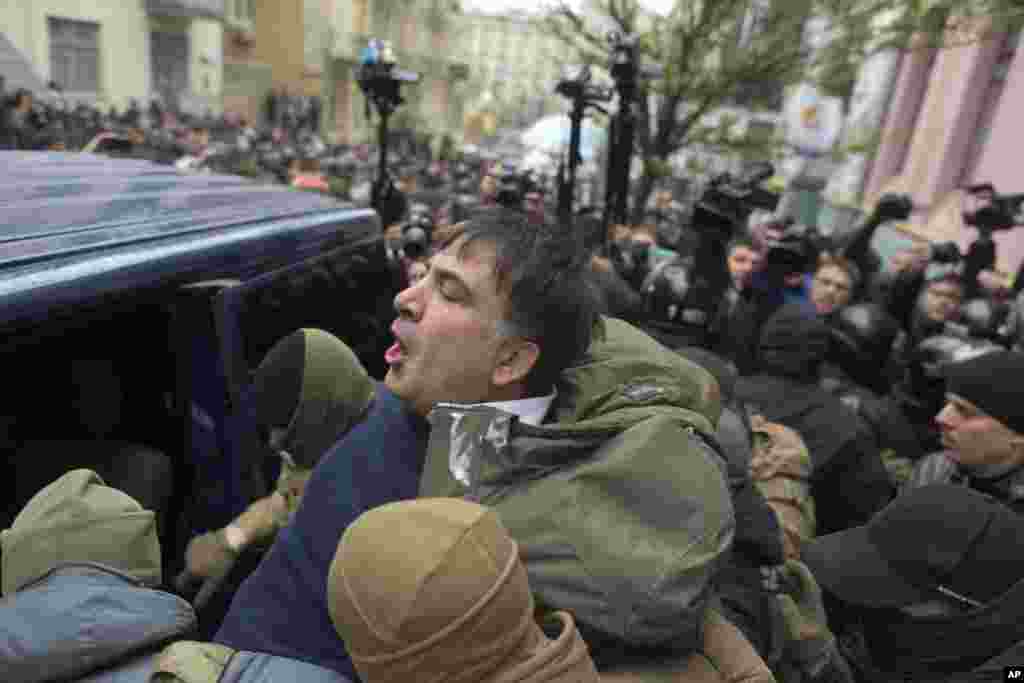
(211,9)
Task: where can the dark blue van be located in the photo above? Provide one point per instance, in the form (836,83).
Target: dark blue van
(179,284)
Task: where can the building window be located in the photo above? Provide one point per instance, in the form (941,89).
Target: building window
(241,13)
(990,104)
(75,55)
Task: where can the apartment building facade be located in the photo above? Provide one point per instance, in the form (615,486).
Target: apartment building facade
(109,52)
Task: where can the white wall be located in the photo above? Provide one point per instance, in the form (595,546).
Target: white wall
(123,40)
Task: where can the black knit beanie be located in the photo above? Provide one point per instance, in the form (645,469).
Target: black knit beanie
(993,382)
(277,386)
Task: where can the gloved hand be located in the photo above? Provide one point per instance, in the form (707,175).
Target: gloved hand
(207,556)
(809,641)
(893,207)
(210,556)
(261,520)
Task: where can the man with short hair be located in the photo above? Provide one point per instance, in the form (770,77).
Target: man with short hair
(489,186)
(833,285)
(983,427)
(743,260)
(732,332)
(570,449)
(940,301)
(503,310)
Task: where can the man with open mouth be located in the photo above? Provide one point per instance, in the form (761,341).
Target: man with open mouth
(502,310)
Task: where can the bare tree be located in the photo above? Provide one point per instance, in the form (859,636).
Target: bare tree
(724,52)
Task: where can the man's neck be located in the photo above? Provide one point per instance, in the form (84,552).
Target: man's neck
(516,392)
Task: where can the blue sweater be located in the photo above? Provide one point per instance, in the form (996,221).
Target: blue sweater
(281,609)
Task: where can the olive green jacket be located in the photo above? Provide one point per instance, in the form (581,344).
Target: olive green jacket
(618,501)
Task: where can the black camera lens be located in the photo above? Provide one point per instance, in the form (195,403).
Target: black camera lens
(415,240)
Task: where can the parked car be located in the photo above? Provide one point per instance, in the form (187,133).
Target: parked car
(183,282)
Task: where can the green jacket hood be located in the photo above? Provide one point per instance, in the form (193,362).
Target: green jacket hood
(626,377)
(78,518)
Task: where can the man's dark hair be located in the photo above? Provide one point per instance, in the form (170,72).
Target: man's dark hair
(740,241)
(540,268)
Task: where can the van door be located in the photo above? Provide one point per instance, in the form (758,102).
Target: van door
(224,328)
(222,451)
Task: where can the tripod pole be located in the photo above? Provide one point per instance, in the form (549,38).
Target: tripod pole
(568,188)
(380,185)
(627,127)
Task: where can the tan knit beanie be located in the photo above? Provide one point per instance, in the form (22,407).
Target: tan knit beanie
(433,590)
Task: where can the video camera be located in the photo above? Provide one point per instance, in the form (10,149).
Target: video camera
(417,232)
(1001,212)
(577,84)
(625,65)
(380,78)
(513,186)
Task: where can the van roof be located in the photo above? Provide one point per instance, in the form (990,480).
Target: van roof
(72,221)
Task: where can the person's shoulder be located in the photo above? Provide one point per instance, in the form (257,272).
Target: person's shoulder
(388,418)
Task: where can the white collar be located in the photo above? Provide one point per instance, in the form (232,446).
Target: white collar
(531,411)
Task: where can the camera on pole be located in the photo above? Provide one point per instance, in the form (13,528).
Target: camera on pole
(381,80)
(627,72)
(578,89)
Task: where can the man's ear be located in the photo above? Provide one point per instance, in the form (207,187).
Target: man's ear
(516,358)
(1017,446)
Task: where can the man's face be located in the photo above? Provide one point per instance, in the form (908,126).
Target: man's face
(406,184)
(448,346)
(831,289)
(974,437)
(942,301)
(621,234)
(646,235)
(489,187)
(663,200)
(743,262)
(198,139)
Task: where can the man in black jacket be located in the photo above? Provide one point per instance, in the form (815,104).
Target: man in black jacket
(848,482)
(927,591)
(982,427)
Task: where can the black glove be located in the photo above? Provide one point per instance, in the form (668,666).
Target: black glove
(893,207)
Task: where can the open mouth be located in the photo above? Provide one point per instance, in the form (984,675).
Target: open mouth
(395,353)
(398,351)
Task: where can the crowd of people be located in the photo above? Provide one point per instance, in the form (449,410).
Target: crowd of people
(576,470)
